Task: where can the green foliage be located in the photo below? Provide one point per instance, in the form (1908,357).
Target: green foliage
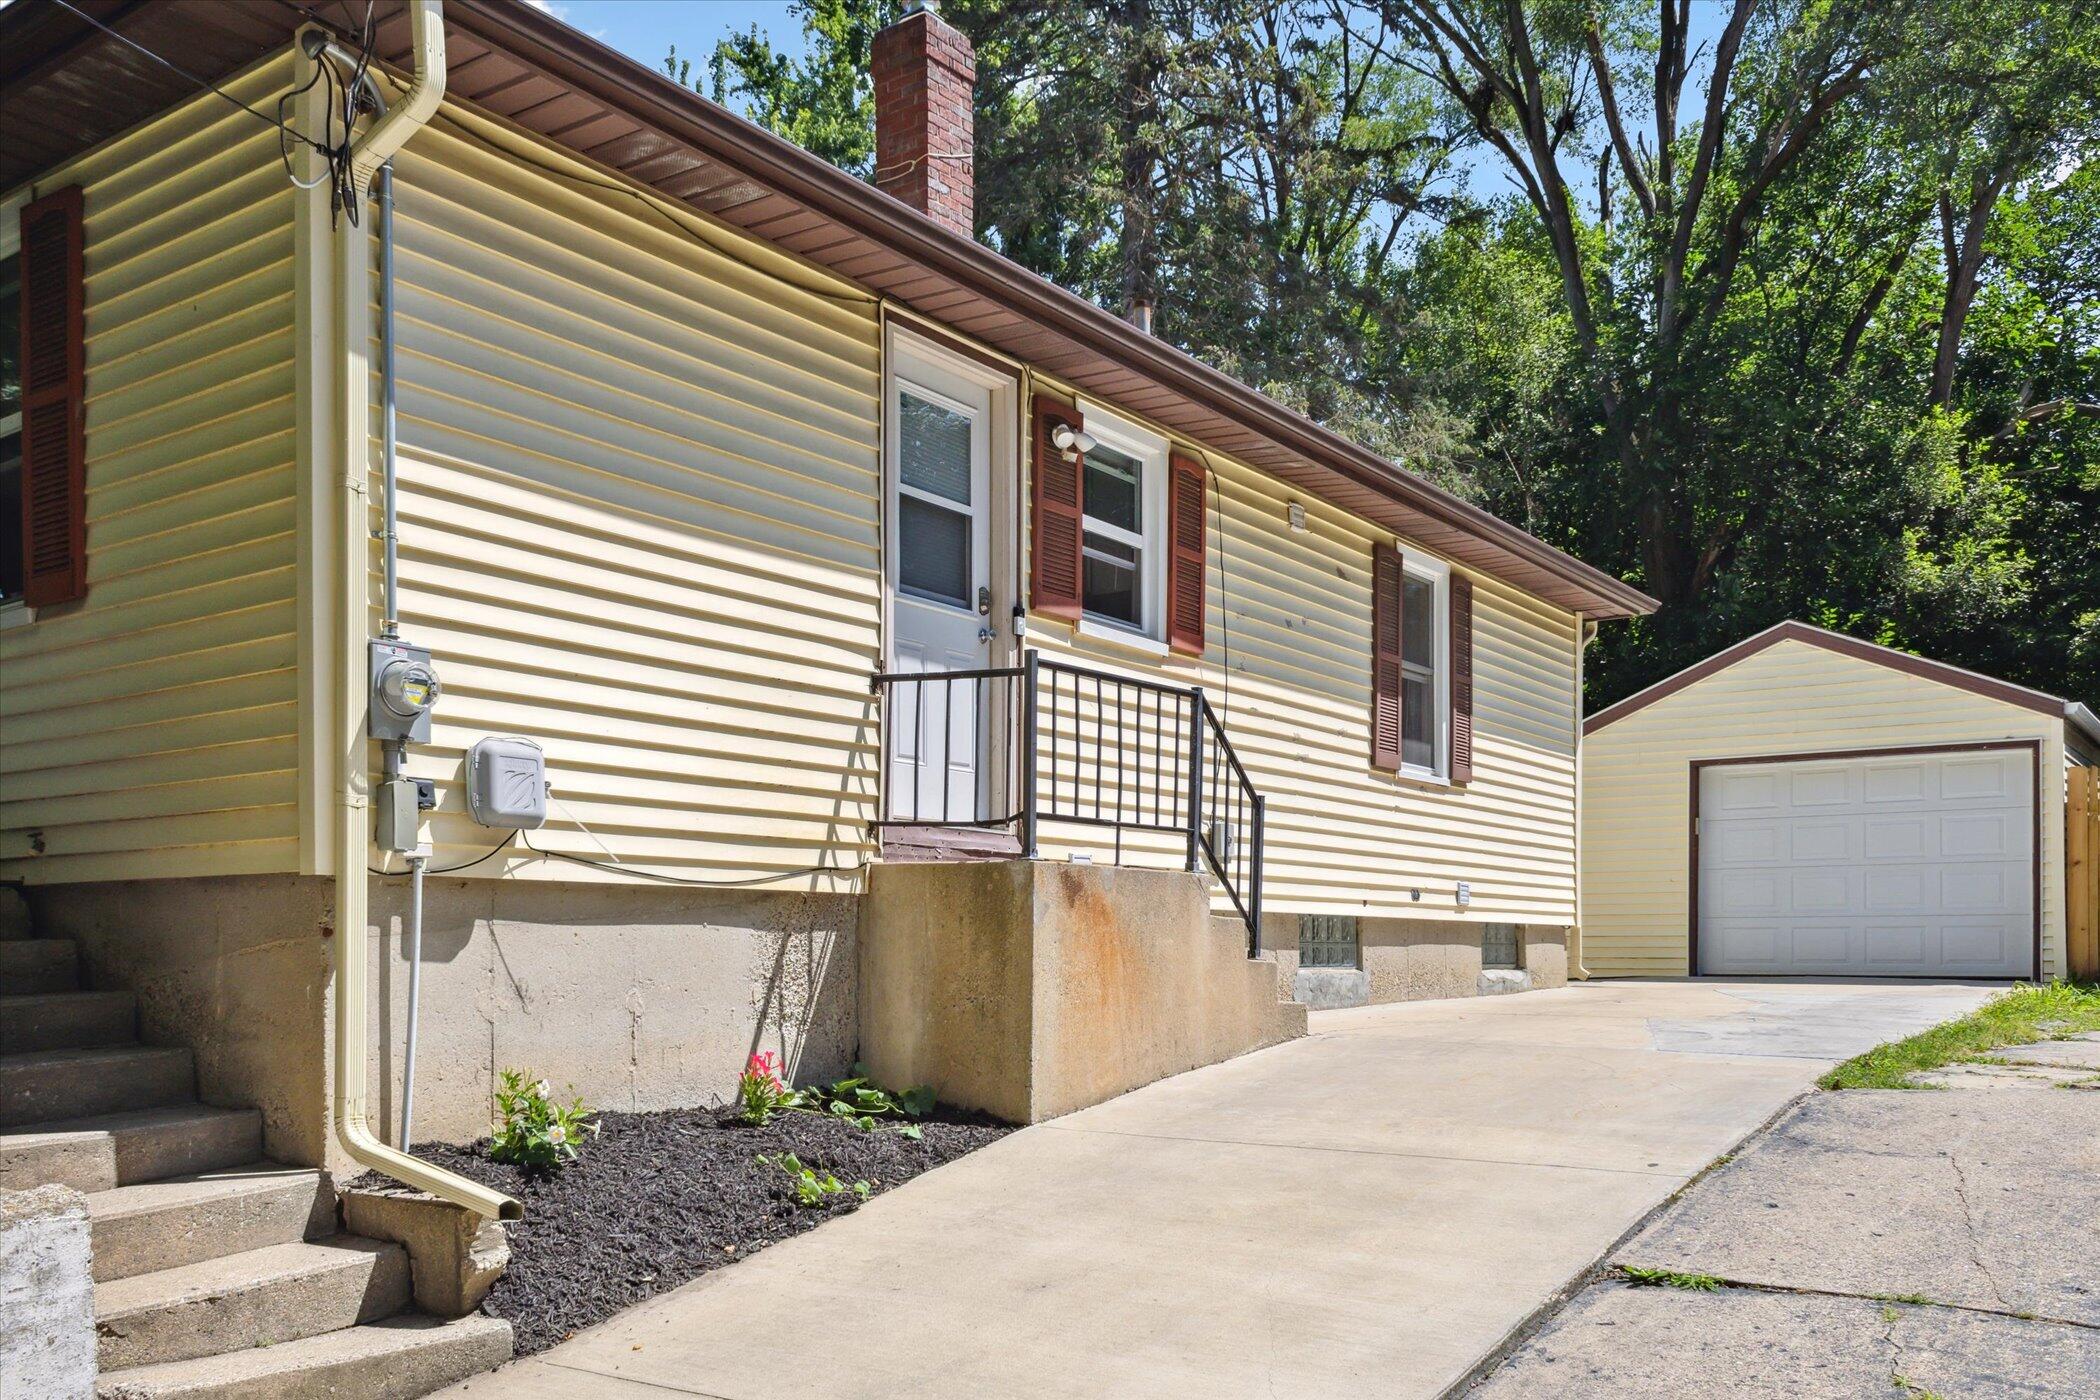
(859,1101)
(531,1129)
(2021,1016)
(1642,1277)
(1831,357)
(812,1187)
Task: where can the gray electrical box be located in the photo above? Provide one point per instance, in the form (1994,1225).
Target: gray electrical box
(507,783)
(405,690)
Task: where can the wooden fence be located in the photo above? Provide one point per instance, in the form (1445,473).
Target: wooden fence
(2082,872)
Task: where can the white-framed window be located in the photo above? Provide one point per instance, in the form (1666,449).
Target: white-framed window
(1123,580)
(1425,667)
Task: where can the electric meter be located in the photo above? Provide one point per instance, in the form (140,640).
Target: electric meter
(405,689)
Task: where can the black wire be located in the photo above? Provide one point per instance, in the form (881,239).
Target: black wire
(490,854)
(129,42)
(852,869)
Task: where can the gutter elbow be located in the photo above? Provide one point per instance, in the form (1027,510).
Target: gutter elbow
(416,105)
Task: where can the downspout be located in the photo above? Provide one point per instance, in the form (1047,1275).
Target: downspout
(1585,633)
(353,1125)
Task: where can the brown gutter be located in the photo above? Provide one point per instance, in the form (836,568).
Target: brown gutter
(655,101)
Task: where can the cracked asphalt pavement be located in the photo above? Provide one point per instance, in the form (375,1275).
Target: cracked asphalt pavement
(1868,1243)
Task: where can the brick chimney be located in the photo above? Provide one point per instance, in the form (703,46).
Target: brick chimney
(924,71)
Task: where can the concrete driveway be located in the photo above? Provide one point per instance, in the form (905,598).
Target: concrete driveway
(1367,1211)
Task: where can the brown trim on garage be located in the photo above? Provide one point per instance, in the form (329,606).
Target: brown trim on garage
(1986,686)
(1700,765)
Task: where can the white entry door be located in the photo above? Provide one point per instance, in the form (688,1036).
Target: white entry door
(1905,865)
(940,489)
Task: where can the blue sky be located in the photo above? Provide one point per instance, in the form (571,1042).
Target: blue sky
(646,29)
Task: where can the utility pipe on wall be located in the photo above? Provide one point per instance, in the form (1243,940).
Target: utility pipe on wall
(352,840)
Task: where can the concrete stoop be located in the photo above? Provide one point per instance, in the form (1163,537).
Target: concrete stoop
(216,1272)
(1032,989)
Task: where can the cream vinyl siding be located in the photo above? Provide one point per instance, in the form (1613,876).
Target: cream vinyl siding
(1287,664)
(639,503)
(151,729)
(1789,698)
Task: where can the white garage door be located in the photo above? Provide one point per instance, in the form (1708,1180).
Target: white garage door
(1901,866)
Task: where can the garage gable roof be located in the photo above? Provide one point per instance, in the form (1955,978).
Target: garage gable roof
(1790,631)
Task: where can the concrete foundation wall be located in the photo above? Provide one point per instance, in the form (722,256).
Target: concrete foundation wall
(1418,959)
(237,968)
(639,998)
(634,998)
(1030,989)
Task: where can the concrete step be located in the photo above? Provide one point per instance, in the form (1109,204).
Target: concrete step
(399,1358)
(118,1149)
(45,1084)
(166,1224)
(31,965)
(260,1298)
(66,1021)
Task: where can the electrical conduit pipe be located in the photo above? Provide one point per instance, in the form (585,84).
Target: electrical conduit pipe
(352,1111)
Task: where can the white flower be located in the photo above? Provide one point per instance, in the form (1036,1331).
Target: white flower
(557,1134)
(543,1089)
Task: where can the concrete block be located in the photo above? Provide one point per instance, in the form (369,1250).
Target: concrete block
(394,1359)
(1500,981)
(32,965)
(1029,989)
(455,1255)
(47,1313)
(166,1224)
(49,1084)
(1330,988)
(116,1149)
(262,1297)
(66,1021)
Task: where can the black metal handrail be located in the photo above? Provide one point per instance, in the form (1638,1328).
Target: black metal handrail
(1050,741)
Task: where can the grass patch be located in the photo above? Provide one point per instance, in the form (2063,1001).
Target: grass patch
(1669,1278)
(2021,1016)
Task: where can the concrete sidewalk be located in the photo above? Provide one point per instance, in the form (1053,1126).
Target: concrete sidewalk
(1367,1211)
(1873,1243)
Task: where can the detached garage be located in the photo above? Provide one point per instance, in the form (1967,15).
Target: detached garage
(1805,804)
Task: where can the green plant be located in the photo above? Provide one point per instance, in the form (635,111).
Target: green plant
(2019,1017)
(761,1092)
(812,1187)
(1668,1278)
(859,1101)
(531,1129)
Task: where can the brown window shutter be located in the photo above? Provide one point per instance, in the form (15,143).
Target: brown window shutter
(1188,493)
(1461,679)
(1057,503)
(1385,658)
(54,419)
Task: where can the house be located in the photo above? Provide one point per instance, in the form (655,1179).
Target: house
(830,564)
(1808,804)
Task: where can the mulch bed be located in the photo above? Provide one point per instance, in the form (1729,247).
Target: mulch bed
(658,1199)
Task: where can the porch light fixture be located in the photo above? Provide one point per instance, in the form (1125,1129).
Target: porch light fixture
(1073,442)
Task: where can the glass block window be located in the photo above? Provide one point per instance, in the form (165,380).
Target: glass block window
(1500,946)
(1328,940)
